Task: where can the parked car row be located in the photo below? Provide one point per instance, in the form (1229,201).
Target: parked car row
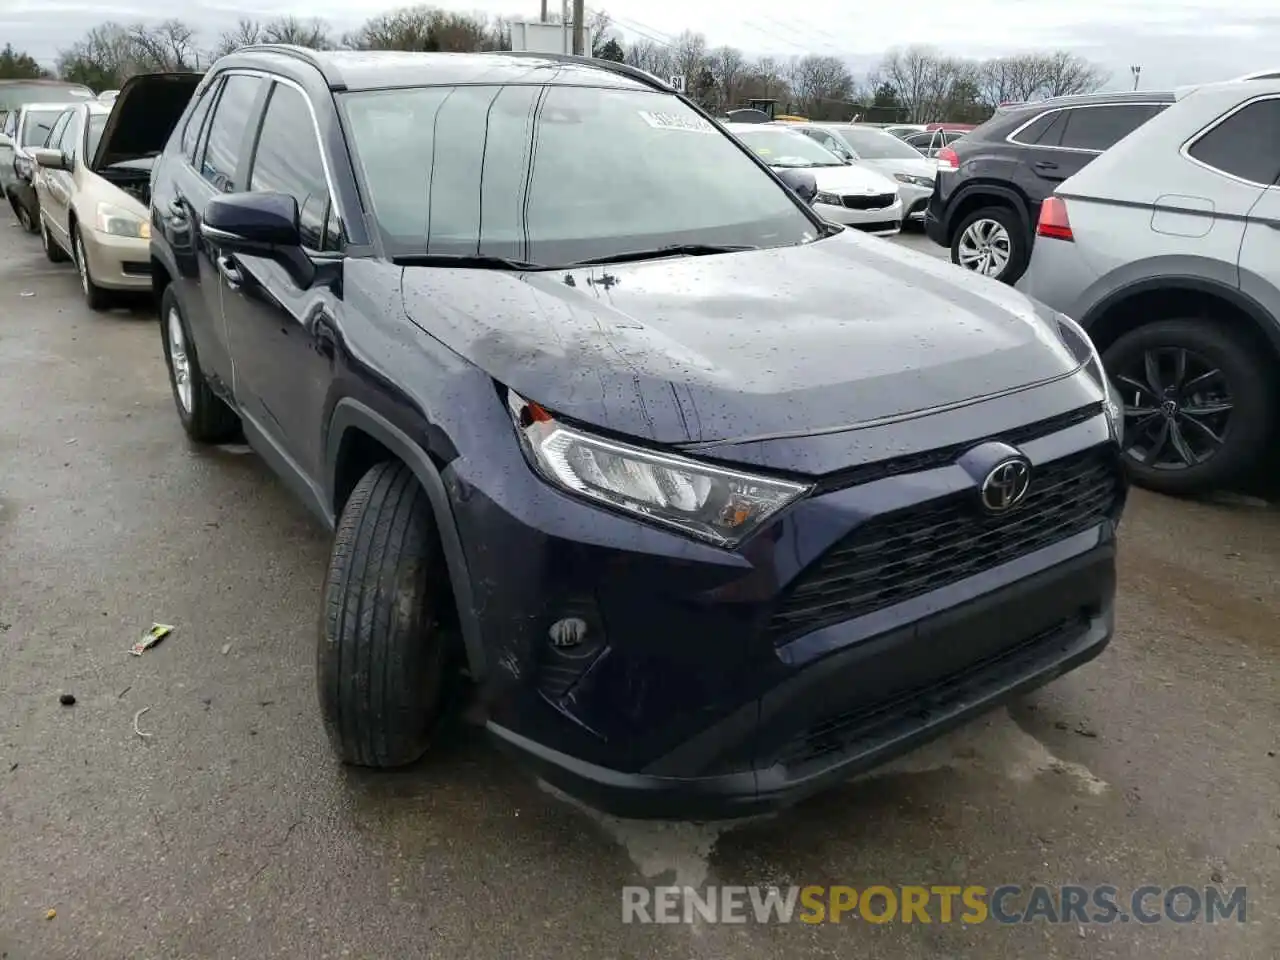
(701,499)
(1153,220)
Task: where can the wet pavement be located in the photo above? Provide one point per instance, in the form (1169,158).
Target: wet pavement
(228,830)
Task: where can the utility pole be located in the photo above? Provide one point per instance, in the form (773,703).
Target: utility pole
(544,11)
(579,15)
(1136,70)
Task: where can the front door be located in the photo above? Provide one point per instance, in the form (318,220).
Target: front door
(281,327)
(56,195)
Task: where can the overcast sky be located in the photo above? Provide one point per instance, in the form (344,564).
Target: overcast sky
(1175,41)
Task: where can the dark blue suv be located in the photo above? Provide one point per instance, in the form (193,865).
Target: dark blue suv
(701,501)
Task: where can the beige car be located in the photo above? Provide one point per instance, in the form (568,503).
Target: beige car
(93,209)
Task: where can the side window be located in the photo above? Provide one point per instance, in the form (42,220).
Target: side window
(227,129)
(1244,144)
(288,160)
(1044,131)
(1097,128)
(55,133)
(10,120)
(834,145)
(71,135)
(195,122)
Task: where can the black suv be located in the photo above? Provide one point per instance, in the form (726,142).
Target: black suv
(986,198)
(617,438)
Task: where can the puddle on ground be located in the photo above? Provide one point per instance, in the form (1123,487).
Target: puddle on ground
(680,852)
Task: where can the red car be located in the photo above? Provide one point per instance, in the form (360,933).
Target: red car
(960,127)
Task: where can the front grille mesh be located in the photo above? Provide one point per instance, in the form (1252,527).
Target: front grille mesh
(875,201)
(914,551)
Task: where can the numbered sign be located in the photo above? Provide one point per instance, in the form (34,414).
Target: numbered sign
(677,83)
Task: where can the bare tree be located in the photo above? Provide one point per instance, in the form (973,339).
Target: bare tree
(168,46)
(245,33)
(1066,74)
(728,67)
(689,56)
(424,28)
(1026,76)
(819,79)
(654,57)
(312,33)
(995,81)
(909,72)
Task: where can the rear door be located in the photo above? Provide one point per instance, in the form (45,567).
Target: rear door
(1245,145)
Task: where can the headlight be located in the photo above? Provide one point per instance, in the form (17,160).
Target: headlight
(1081,346)
(832,198)
(712,503)
(917,181)
(122,223)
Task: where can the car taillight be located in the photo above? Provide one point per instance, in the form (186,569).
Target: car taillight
(1054,221)
(947,159)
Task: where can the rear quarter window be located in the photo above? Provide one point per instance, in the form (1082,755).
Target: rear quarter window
(1100,128)
(1244,144)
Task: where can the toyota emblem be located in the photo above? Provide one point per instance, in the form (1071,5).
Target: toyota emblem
(1006,485)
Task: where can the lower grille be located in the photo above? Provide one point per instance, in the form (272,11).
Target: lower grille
(875,227)
(898,556)
(875,201)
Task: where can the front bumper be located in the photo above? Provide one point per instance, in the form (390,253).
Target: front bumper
(118,263)
(882,221)
(914,201)
(833,749)
(686,698)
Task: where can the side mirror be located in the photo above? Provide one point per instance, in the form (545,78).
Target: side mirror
(49,158)
(260,223)
(802,182)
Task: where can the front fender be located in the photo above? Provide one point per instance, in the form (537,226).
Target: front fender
(350,414)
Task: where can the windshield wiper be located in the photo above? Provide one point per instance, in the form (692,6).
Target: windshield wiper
(672,250)
(476,261)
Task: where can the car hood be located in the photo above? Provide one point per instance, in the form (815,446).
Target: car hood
(913,167)
(143,115)
(851,179)
(841,333)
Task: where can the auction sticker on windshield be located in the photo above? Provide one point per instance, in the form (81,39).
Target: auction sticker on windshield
(674,121)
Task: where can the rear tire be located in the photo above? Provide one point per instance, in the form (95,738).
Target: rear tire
(52,251)
(1245,429)
(993,223)
(25,219)
(383,644)
(204,415)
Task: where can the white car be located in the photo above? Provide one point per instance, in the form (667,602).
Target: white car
(884,153)
(848,194)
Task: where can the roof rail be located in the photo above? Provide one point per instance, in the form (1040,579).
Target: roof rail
(623,69)
(304,54)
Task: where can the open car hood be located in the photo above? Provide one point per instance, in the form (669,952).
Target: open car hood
(143,115)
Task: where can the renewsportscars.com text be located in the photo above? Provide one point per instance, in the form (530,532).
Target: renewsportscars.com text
(1005,904)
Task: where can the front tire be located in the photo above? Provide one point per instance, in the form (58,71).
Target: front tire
(382,649)
(992,242)
(1198,406)
(95,296)
(205,417)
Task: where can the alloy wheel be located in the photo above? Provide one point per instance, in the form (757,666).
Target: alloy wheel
(82,263)
(984,248)
(1177,408)
(178,357)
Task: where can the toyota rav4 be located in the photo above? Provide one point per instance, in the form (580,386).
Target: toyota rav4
(616,436)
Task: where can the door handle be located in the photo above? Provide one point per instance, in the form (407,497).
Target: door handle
(1046,165)
(230,272)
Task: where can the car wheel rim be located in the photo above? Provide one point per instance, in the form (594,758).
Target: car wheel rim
(1177,408)
(24,218)
(178,358)
(83,264)
(984,248)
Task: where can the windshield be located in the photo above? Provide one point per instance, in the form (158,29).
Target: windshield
(786,148)
(874,145)
(97,123)
(36,126)
(555,175)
